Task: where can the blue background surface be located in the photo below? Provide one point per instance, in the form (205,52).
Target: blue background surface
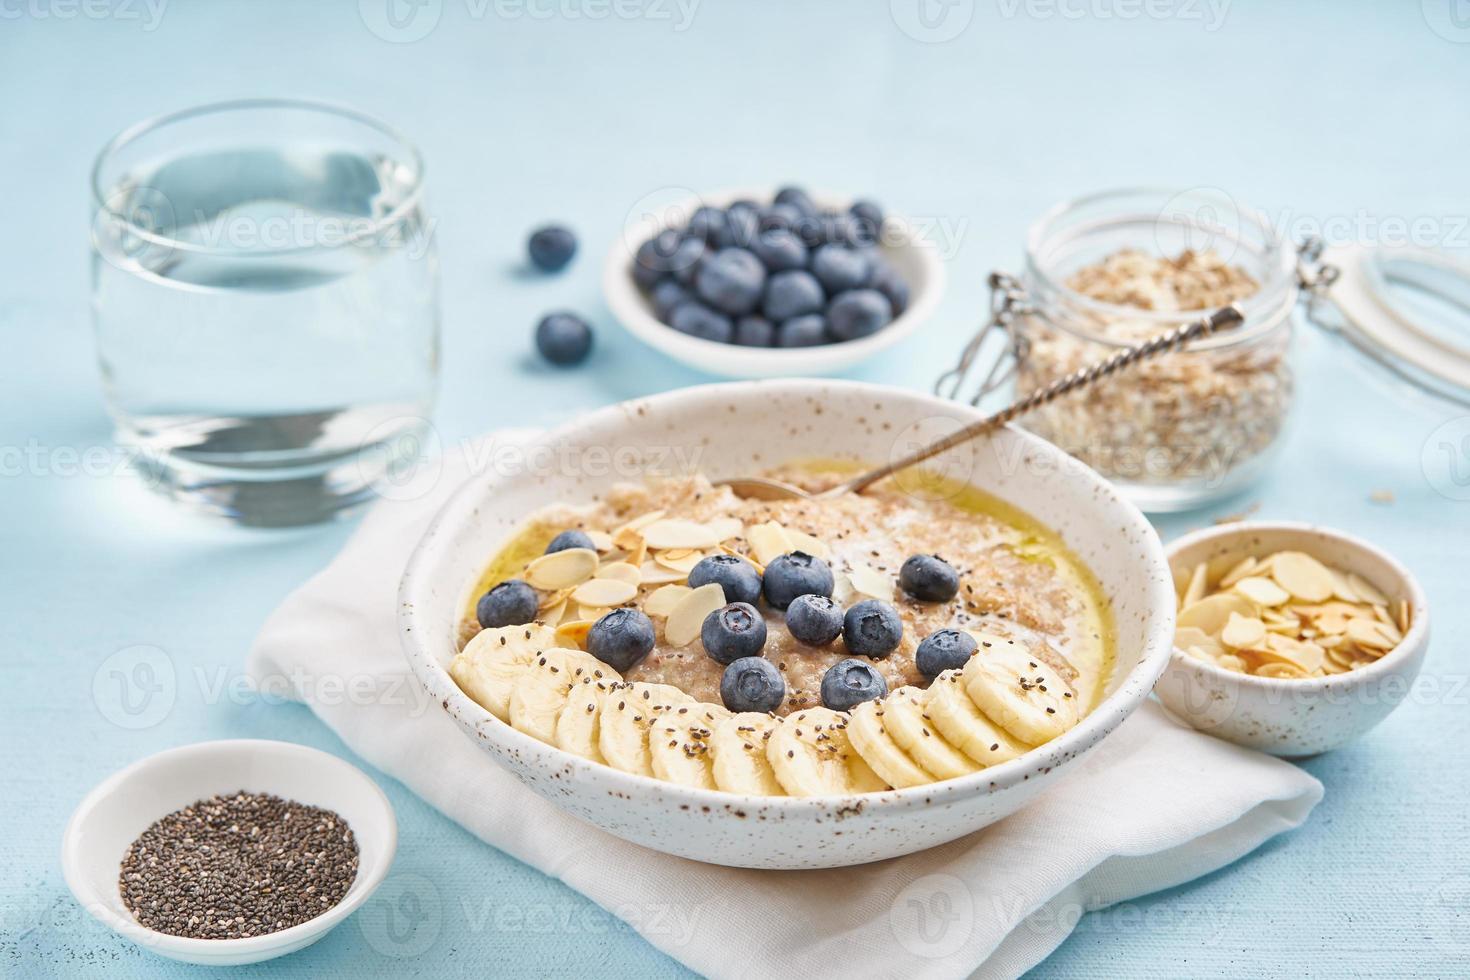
(1349,112)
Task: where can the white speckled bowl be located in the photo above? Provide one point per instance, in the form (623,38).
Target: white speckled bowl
(742,428)
(916,260)
(1294,718)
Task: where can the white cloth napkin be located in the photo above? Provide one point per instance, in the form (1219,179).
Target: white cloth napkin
(1154,805)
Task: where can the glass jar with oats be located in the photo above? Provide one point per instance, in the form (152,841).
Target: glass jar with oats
(1107,271)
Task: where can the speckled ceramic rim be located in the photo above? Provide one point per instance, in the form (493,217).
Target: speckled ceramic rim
(633,311)
(253,948)
(420,639)
(1418,629)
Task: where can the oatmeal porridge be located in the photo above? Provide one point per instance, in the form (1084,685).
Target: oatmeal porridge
(880,639)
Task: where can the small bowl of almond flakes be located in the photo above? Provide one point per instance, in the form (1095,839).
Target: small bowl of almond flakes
(1290,638)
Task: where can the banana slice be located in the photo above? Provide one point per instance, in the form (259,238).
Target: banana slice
(962,724)
(739,748)
(904,721)
(1019,692)
(490,664)
(623,721)
(811,756)
(577,725)
(541,691)
(879,750)
(679,744)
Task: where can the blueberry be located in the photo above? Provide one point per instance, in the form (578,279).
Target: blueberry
(782,216)
(734,631)
(570,539)
(510,603)
(944,650)
(797,198)
(752,684)
(872,629)
(848,683)
(887,281)
(812,229)
(741,225)
(803,331)
(621,638)
(839,268)
(551,247)
(732,280)
(814,620)
(738,577)
(688,259)
(668,294)
(792,293)
(858,313)
(929,578)
(788,576)
(699,320)
(842,229)
(754,331)
(651,263)
(780,250)
(706,223)
(869,217)
(563,338)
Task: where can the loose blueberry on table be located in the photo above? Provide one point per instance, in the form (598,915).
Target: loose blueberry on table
(511,603)
(752,684)
(814,277)
(621,638)
(733,632)
(563,338)
(551,247)
(848,683)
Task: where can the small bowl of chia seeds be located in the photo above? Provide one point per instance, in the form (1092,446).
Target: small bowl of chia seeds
(230,852)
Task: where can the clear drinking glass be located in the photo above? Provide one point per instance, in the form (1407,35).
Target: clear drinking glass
(265,298)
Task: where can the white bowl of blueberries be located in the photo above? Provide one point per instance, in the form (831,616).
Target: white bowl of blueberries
(754,285)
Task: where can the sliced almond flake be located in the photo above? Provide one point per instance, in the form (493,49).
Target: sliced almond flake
(1404,619)
(655,574)
(801,541)
(604,592)
(1380,613)
(869,581)
(687,617)
(1194,591)
(1304,654)
(681,560)
(575,632)
(1371,634)
(1342,588)
(638,523)
(1302,575)
(1330,641)
(1261,591)
(726,527)
(553,615)
(1246,566)
(1331,666)
(1200,653)
(768,541)
(562,569)
(842,589)
(663,599)
(1281,671)
(1231,662)
(601,540)
(673,532)
(591,613)
(622,571)
(1213,612)
(1190,636)
(553,598)
(1367,591)
(1243,631)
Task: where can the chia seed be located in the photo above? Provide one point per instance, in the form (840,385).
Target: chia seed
(241,865)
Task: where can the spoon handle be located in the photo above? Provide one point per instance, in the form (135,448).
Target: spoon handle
(1222,319)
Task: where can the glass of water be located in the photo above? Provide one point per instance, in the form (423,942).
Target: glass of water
(265,297)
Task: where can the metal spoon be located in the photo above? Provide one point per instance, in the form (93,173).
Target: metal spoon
(762,488)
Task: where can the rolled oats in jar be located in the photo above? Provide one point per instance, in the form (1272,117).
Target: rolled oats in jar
(1105,272)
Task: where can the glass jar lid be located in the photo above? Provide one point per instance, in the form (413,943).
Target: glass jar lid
(1408,309)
